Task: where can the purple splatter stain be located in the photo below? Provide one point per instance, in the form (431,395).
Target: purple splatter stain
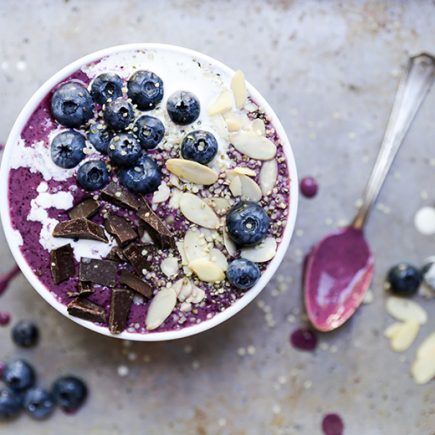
(5,318)
(304,339)
(332,424)
(309,187)
(2,146)
(7,277)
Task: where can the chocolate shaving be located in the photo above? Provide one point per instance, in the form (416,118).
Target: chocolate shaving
(119,309)
(121,228)
(135,283)
(137,255)
(158,231)
(87,310)
(62,263)
(116,254)
(80,228)
(120,196)
(101,272)
(84,209)
(83,289)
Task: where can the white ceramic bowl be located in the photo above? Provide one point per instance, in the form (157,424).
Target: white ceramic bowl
(33,279)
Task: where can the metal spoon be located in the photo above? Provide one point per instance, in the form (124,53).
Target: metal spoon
(339,269)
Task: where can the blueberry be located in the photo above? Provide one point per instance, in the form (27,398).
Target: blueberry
(67,149)
(145,89)
(105,86)
(39,403)
(71,105)
(149,130)
(99,136)
(145,177)
(243,274)
(70,393)
(404,279)
(25,334)
(199,145)
(19,375)
(124,150)
(93,175)
(118,114)
(10,404)
(183,107)
(247,223)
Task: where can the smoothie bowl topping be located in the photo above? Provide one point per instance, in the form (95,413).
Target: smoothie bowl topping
(149,191)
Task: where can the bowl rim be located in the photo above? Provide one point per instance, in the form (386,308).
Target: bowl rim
(48,296)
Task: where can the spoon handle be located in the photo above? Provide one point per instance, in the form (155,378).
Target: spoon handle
(414,85)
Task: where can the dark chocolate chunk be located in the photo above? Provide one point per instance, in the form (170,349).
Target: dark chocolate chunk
(119,309)
(121,228)
(135,283)
(62,263)
(139,256)
(80,228)
(116,254)
(158,231)
(83,289)
(85,209)
(87,310)
(98,271)
(119,195)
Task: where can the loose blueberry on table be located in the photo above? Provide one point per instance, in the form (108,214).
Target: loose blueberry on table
(25,334)
(192,200)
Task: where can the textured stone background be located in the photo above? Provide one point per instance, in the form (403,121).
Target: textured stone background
(330,70)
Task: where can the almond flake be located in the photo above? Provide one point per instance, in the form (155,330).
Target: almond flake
(237,121)
(427,347)
(192,171)
(195,245)
(197,295)
(220,126)
(220,205)
(207,270)
(182,252)
(162,193)
(391,330)
(240,170)
(403,309)
(174,202)
(169,266)
(198,211)
(405,336)
(250,189)
(262,252)
(423,368)
(236,186)
(222,104)
(258,127)
(238,86)
(253,145)
(160,308)
(268,176)
(219,258)
(230,246)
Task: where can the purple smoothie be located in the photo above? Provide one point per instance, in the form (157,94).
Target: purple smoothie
(23,185)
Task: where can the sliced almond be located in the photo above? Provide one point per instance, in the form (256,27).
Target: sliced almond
(391,330)
(160,308)
(237,121)
(197,295)
(250,189)
(185,291)
(238,86)
(404,310)
(177,286)
(427,347)
(262,252)
(240,170)
(423,368)
(405,336)
(196,210)
(182,252)
(192,171)
(268,176)
(258,127)
(185,307)
(220,205)
(207,270)
(195,245)
(222,104)
(219,258)
(220,126)
(169,266)
(162,193)
(236,186)
(253,145)
(174,202)
(230,246)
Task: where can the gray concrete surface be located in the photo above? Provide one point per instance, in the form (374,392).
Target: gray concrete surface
(330,70)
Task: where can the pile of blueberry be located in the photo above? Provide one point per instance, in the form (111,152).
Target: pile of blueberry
(19,377)
(117,128)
